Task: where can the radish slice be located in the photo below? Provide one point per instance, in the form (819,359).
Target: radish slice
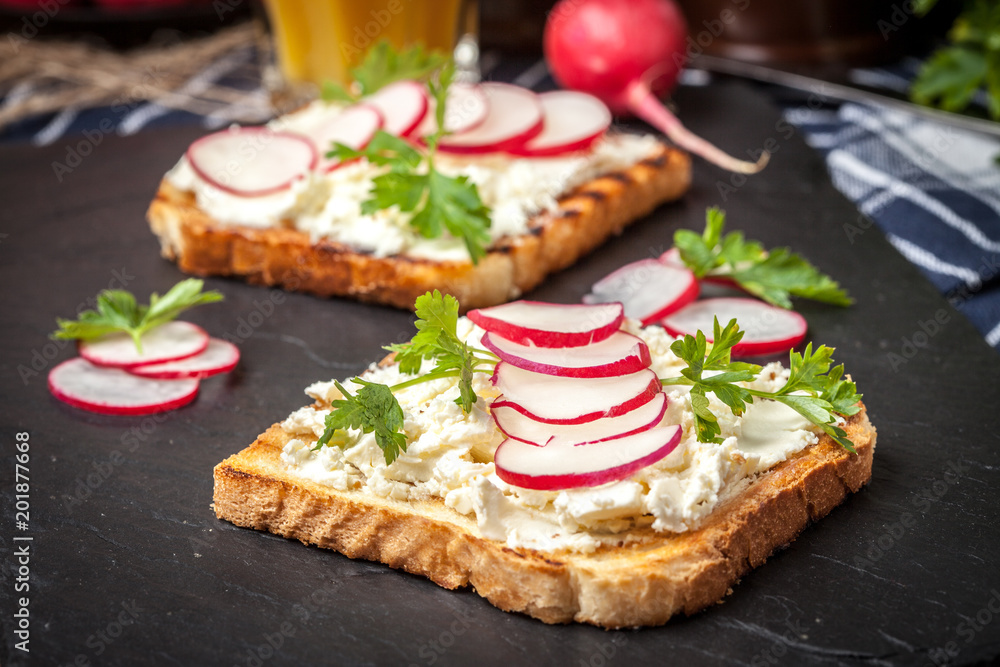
(252,161)
(555,467)
(769,329)
(514,117)
(649,289)
(219,357)
(466,109)
(354,127)
(403,105)
(620,354)
(573,122)
(560,400)
(167,342)
(518,426)
(549,324)
(112,391)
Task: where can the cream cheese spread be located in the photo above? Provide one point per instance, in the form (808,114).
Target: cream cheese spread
(450,457)
(328,206)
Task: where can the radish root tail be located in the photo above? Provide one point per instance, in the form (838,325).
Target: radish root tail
(644,104)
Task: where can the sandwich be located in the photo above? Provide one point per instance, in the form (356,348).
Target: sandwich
(562,460)
(478,191)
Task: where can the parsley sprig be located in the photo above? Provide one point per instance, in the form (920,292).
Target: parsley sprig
(813,389)
(118,311)
(773,275)
(375,407)
(381,66)
(413,184)
(955,73)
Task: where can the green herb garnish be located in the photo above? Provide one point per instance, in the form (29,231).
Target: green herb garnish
(117,311)
(413,184)
(375,408)
(955,73)
(773,275)
(381,66)
(813,389)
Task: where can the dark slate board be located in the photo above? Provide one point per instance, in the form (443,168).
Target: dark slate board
(129,566)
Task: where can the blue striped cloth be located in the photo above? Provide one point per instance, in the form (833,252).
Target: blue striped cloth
(933,190)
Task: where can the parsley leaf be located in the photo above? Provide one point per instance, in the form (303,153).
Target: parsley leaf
(773,275)
(118,311)
(437,338)
(438,203)
(724,373)
(813,389)
(374,408)
(383,65)
(952,76)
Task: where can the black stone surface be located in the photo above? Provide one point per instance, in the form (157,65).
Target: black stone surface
(128,565)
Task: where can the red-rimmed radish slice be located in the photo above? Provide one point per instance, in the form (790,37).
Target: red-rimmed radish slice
(466,109)
(518,426)
(573,122)
(168,342)
(252,161)
(113,391)
(403,106)
(648,289)
(769,329)
(556,467)
(219,357)
(561,400)
(550,324)
(620,354)
(514,116)
(354,127)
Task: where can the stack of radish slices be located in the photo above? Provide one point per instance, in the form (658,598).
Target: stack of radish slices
(579,404)
(480,119)
(664,291)
(111,377)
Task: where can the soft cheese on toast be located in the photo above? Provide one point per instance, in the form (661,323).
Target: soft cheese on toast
(312,236)
(672,537)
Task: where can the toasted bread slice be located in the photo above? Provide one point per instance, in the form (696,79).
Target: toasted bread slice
(287,258)
(644,580)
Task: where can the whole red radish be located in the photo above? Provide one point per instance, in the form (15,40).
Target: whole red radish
(628,53)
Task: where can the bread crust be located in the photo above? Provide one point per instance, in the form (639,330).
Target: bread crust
(287,258)
(643,582)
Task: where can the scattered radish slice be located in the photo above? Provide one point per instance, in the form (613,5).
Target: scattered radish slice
(560,400)
(518,426)
(648,289)
(113,391)
(219,357)
(769,329)
(549,324)
(354,127)
(466,109)
(403,105)
(514,116)
(252,161)
(167,342)
(620,354)
(555,467)
(573,122)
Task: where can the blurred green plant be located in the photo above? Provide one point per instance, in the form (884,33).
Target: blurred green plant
(953,74)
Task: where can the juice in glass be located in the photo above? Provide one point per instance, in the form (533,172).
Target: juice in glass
(319,40)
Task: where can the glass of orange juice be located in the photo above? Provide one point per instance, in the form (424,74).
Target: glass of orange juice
(312,41)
